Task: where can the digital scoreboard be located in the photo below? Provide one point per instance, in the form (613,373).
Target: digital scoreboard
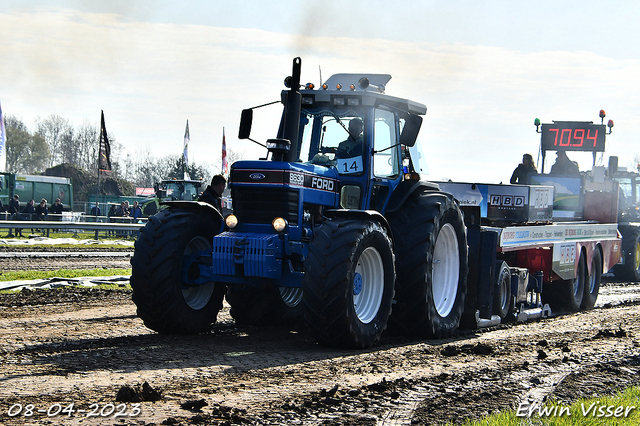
(573,136)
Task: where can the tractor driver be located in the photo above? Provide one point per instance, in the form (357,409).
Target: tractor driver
(352,147)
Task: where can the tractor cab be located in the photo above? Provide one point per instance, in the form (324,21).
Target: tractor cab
(349,131)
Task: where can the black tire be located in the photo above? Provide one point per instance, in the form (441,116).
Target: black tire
(429,295)
(631,251)
(266,306)
(592,284)
(567,295)
(164,303)
(503,301)
(348,283)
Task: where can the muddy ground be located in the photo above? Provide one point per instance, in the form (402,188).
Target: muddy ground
(64,351)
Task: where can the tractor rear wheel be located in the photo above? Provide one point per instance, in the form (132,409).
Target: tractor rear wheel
(348,283)
(165,303)
(432,265)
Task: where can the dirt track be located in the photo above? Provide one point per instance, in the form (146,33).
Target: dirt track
(87,347)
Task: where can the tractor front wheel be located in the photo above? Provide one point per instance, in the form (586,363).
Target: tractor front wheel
(165,303)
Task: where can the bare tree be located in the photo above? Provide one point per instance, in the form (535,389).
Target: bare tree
(57,133)
(26,153)
(235,155)
(87,145)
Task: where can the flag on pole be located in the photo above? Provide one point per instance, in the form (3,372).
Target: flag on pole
(225,165)
(104,157)
(185,152)
(3,144)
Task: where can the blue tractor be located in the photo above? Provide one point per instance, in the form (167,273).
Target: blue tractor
(334,229)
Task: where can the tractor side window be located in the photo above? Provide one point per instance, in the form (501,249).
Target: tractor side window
(307,150)
(625,187)
(385,160)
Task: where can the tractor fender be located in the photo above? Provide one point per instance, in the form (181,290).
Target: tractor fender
(368,215)
(196,206)
(404,190)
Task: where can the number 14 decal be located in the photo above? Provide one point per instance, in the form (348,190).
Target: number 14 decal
(347,166)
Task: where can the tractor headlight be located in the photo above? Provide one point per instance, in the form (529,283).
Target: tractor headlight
(279,224)
(231,221)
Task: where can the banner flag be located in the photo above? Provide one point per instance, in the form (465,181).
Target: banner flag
(185,152)
(3,144)
(225,165)
(104,157)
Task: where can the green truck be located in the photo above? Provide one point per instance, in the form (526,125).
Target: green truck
(36,187)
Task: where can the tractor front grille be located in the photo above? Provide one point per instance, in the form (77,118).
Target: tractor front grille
(262,205)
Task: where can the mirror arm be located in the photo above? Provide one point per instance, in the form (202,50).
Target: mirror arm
(387,148)
(262,145)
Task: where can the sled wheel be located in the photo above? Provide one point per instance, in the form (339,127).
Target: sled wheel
(592,287)
(503,301)
(348,284)
(432,265)
(566,295)
(164,302)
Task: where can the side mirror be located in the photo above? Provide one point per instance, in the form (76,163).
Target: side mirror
(410,131)
(245,124)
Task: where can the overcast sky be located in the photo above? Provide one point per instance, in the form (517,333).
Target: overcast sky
(485,70)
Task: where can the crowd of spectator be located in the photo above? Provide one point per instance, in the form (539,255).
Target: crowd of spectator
(31,212)
(124,212)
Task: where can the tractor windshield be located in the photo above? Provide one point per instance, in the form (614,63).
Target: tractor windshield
(182,191)
(328,136)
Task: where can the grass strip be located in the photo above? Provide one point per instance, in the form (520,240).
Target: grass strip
(62,273)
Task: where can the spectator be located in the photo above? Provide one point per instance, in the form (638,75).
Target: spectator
(123,209)
(111,215)
(41,210)
(56,209)
(29,211)
(564,166)
(524,170)
(136,211)
(2,209)
(14,210)
(213,193)
(95,211)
